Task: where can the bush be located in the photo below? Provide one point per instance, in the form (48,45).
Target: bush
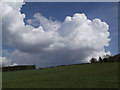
(93,60)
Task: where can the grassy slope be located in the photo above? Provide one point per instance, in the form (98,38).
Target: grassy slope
(104,75)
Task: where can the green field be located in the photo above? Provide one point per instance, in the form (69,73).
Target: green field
(99,75)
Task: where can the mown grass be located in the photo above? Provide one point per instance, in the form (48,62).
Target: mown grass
(99,75)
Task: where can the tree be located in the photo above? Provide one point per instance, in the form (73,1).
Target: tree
(105,60)
(100,60)
(110,59)
(93,60)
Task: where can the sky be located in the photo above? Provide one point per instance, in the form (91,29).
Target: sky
(49,34)
(107,12)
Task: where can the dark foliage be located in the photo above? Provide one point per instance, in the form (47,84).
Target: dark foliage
(93,60)
(20,67)
(100,60)
(105,60)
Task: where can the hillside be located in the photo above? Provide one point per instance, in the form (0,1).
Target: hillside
(116,57)
(97,75)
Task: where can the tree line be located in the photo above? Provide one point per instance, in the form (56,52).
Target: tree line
(107,58)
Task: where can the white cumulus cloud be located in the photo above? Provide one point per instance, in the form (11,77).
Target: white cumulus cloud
(74,40)
(4,62)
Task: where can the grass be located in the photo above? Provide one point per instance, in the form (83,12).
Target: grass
(100,75)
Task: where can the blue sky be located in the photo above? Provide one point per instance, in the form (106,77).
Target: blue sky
(107,12)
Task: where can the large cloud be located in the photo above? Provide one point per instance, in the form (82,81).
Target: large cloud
(75,40)
(4,62)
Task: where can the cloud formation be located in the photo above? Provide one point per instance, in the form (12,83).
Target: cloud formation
(74,40)
(4,62)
